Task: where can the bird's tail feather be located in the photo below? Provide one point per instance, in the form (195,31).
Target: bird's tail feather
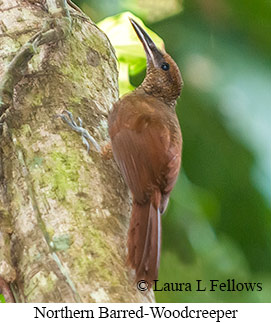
(144,239)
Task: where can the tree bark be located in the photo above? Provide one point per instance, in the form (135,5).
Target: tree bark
(64,213)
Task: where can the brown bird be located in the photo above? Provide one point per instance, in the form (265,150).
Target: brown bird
(147,143)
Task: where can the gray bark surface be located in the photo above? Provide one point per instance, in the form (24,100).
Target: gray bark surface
(64,213)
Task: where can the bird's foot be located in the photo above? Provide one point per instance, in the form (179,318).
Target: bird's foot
(67,117)
(107,152)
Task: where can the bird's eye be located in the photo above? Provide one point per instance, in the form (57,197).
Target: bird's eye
(165,66)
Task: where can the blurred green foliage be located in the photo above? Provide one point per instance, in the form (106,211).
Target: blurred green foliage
(218,224)
(2,298)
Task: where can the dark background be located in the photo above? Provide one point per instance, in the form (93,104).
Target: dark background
(218,223)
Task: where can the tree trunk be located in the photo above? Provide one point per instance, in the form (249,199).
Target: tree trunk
(64,213)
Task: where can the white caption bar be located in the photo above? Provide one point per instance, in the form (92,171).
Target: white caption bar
(229,312)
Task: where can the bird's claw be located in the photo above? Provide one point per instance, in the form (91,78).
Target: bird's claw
(67,117)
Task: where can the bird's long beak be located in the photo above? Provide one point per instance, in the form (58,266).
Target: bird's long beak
(154,56)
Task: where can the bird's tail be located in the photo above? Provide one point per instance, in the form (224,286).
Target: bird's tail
(144,239)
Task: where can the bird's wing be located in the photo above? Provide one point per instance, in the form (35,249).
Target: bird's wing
(143,149)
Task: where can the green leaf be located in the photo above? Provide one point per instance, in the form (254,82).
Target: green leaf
(129,50)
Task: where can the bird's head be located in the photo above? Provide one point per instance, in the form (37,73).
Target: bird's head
(163,78)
